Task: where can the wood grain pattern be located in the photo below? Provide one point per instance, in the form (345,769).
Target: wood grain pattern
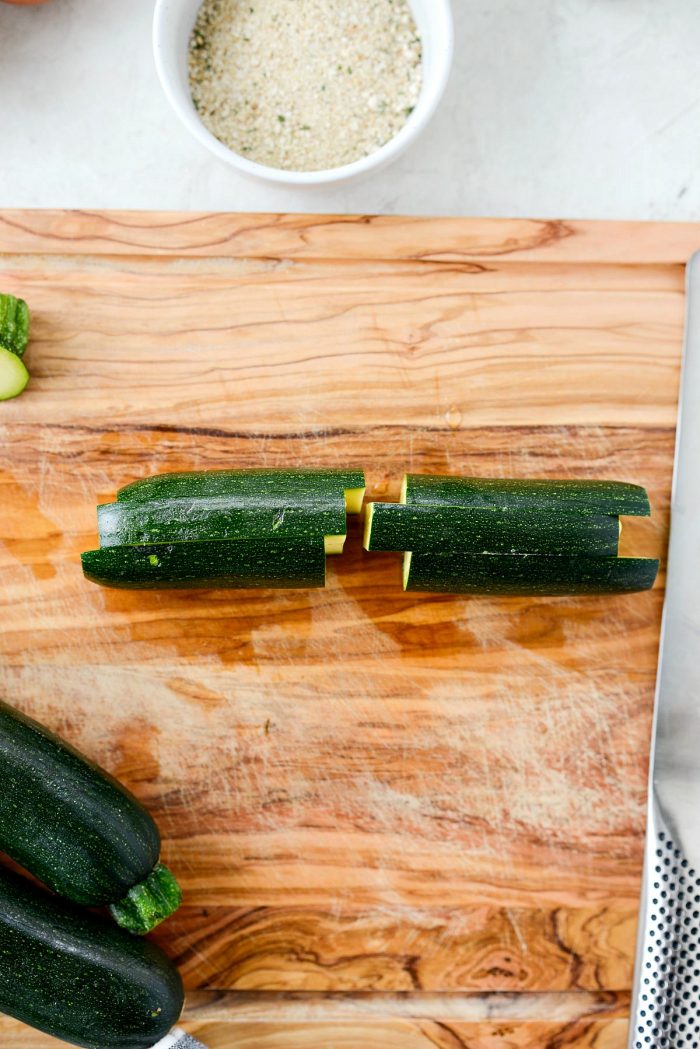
(389,1034)
(362,791)
(444,1021)
(344,237)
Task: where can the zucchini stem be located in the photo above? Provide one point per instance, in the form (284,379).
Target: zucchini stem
(148,903)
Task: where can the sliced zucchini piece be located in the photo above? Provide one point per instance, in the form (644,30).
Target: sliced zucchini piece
(534,574)
(395,526)
(14,324)
(13,375)
(218,517)
(596,497)
(264,486)
(234,564)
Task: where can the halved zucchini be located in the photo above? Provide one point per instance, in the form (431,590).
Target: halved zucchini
(395,526)
(532,574)
(222,517)
(13,375)
(263,486)
(234,564)
(597,497)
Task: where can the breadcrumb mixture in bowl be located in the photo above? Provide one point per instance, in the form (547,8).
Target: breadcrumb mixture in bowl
(305,85)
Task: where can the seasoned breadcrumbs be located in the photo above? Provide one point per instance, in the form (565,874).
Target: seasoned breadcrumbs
(305,84)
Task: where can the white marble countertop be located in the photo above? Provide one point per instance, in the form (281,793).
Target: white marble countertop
(568,108)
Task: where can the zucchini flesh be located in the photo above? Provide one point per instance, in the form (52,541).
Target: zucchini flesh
(187,520)
(72,825)
(597,497)
(533,574)
(13,375)
(394,526)
(77,977)
(234,564)
(14,324)
(274,486)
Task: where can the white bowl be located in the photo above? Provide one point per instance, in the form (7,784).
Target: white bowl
(172,25)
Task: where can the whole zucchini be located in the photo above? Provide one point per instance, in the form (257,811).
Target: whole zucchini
(76,976)
(256,485)
(395,526)
(595,497)
(218,517)
(75,828)
(226,563)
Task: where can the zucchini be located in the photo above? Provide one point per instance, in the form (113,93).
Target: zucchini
(217,517)
(534,574)
(76,976)
(75,828)
(263,487)
(236,564)
(595,497)
(14,324)
(13,375)
(393,526)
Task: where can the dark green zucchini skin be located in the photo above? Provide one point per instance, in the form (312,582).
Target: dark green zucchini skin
(188,520)
(14,324)
(68,821)
(233,564)
(275,486)
(528,574)
(596,497)
(394,526)
(78,977)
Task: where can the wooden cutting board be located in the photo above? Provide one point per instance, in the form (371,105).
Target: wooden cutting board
(399,820)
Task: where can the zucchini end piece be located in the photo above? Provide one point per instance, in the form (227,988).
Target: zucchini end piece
(148,903)
(367,537)
(353,500)
(334,543)
(13,375)
(407,568)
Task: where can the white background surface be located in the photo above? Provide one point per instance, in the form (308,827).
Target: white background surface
(556,108)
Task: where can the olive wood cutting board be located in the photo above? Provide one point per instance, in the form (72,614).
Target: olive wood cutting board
(399,819)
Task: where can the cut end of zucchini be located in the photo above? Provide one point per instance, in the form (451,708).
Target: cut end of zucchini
(406,568)
(353,500)
(13,375)
(334,543)
(367,538)
(404,489)
(148,903)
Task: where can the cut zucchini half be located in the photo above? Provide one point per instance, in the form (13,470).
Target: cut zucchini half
(264,486)
(13,375)
(597,497)
(218,563)
(396,526)
(218,517)
(526,574)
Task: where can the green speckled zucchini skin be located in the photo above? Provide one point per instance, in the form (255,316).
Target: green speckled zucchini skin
(233,564)
(596,497)
(273,486)
(70,823)
(14,324)
(78,977)
(394,526)
(527,574)
(188,520)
